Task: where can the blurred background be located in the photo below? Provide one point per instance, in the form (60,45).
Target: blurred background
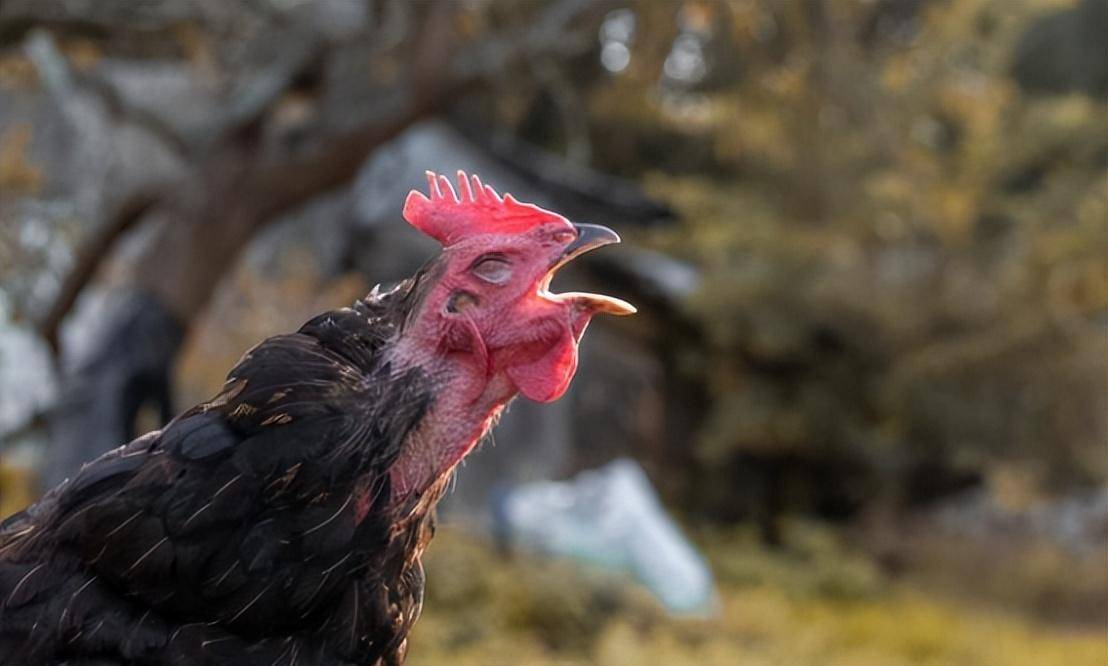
(868,240)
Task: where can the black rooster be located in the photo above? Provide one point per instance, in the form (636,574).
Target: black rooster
(283,521)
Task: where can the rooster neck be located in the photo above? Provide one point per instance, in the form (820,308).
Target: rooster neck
(467,403)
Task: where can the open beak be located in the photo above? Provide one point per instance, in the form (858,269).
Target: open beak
(589,237)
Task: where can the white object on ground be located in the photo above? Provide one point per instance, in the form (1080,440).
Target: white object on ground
(611,517)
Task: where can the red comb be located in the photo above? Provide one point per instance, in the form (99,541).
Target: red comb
(449,218)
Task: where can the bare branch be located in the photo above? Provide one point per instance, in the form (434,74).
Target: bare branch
(550,35)
(66,85)
(253,96)
(89,257)
(396,24)
(241,183)
(94,16)
(53,68)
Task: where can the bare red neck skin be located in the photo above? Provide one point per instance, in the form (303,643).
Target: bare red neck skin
(470,394)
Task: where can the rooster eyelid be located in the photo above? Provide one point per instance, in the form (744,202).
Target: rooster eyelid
(492,268)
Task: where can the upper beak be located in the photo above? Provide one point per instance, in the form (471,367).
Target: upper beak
(589,237)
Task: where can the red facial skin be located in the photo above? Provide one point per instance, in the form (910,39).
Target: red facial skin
(487,330)
(507,325)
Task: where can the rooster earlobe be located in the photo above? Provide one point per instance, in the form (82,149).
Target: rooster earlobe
(420,213)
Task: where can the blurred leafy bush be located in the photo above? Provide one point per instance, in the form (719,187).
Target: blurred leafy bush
(818,603)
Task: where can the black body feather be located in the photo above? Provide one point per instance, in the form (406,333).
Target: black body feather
(253,529)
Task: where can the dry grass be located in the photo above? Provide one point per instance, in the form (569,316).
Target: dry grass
(815,605)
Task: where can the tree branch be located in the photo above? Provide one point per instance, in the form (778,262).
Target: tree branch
(252,97)
(89,257)
(65,85)
(242,183)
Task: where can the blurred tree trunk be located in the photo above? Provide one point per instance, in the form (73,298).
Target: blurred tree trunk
(809,200)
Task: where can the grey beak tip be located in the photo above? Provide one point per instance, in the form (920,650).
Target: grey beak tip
(594,235)
(589,237)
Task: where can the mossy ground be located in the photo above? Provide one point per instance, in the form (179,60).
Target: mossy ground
(815,604)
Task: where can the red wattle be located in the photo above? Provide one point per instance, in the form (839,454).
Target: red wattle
(548,377)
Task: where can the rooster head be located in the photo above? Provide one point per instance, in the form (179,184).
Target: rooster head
(490,302)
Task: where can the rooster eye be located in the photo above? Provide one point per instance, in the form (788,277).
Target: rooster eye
(496,270)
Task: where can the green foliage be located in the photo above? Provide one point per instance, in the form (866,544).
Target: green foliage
(904,254)
(552,606)
(815,566)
